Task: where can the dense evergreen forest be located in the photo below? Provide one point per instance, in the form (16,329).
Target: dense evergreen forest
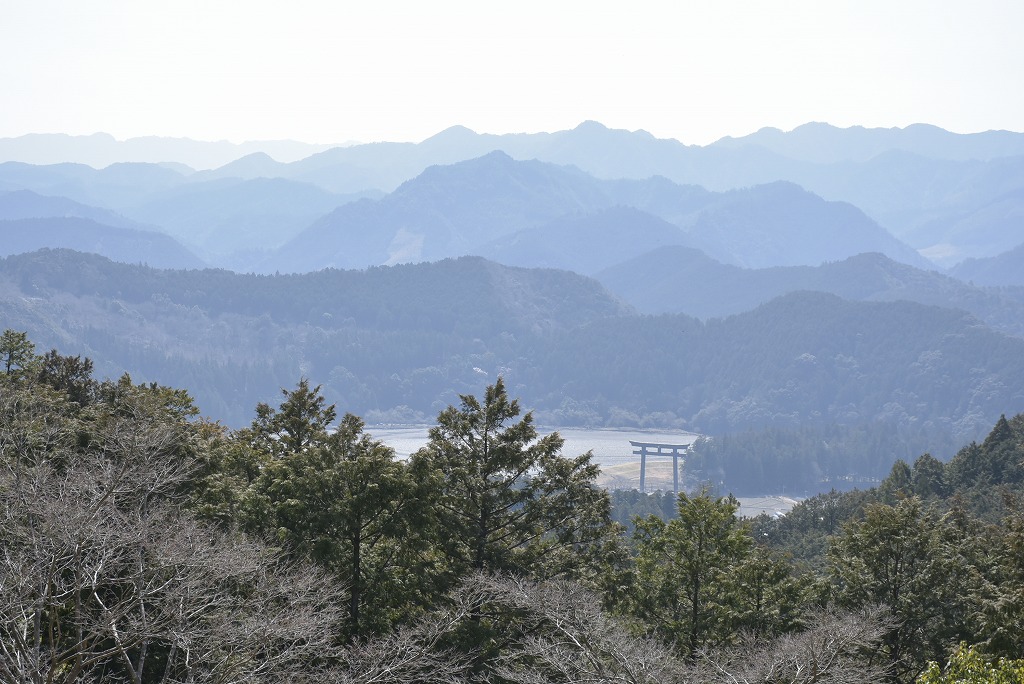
(143,543)
(810,391)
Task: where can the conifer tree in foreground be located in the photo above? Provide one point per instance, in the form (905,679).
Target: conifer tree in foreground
(507,500)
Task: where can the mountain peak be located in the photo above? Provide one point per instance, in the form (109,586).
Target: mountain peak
(494,158)
(253,165)
(452,134)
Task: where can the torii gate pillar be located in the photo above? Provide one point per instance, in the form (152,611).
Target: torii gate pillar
(642,449)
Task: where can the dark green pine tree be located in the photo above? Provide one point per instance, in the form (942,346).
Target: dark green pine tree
(341,498)
(507,500)
(17,355)
(984,474)
(686,572)
(910,561)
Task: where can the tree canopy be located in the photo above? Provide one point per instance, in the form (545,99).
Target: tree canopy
(143,543)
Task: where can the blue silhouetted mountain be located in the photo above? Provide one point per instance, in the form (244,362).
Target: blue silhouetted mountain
(233,222)
(255,165)
(586,244)
(114,187)
(916,182)
(978,227)
(949,210)
(23,204)
(478,207)
(822,143)
(446,211)
(1006,269)
(101,149)
(946,195)
(781,224)
(125,245)
(29,221)
(682,280)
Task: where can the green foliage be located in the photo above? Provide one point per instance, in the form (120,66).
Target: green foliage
(804,533)
(36,425)
(898,485)
(69,374)
(17,355)
(1002,594)
(338,497)
(629,504)
(995,465)
(968,666)
(507,500)
(113,467)
(928,478)
(106,578)
(301,422)
(912,562)
(771,599)
(699,580)
(224,473)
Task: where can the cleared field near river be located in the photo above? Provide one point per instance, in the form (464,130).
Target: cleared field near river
(620,469)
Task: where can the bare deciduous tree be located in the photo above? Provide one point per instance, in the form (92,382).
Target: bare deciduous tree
(104,578)
(568,638)
(412,655)
(829,651)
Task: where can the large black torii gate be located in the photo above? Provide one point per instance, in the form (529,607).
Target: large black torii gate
(642,449)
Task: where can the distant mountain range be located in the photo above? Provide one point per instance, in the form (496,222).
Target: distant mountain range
(818,143)
(497,206)
(947,195)
(85,235)
(856,278)
(101,149)
(821,143)
(685,280)
(235,222)
(478,207)
(1004,269)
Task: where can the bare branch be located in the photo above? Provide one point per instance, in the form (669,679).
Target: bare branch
(831,650)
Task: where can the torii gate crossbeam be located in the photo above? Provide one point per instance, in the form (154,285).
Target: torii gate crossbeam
(643,449)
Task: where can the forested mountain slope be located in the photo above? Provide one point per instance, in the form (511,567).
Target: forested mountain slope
(1001,270)
(126,245)
(151,523)
(802,358)
(393,343)
(24,204)
(681,280)
(379,339)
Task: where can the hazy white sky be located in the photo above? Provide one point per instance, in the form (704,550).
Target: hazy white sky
(694,70)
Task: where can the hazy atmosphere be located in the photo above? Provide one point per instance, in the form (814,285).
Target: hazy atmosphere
(401,71)
(532,343)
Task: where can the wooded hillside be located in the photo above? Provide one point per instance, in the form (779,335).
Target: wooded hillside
(145,544)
